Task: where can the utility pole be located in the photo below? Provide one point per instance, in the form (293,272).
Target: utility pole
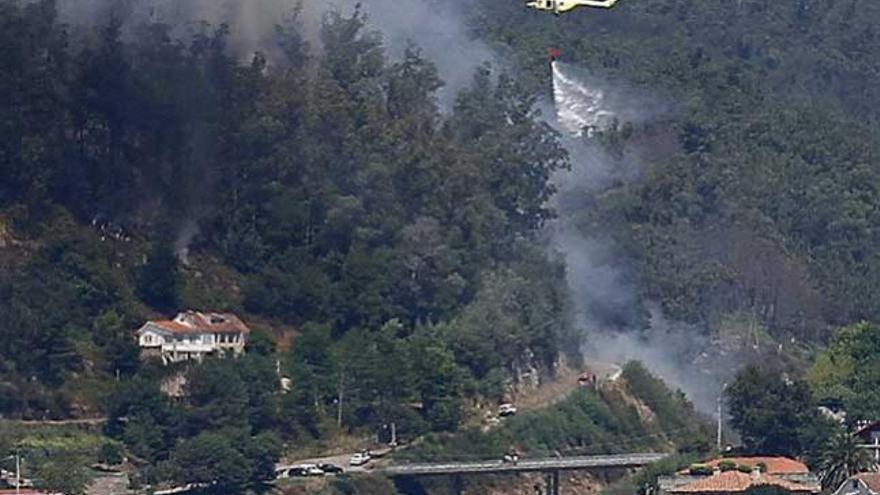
(340,392)
(393,434)
(718,439)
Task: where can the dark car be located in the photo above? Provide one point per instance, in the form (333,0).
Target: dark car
(297,471)
(330,468)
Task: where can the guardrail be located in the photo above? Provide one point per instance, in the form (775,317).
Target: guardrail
(524,465)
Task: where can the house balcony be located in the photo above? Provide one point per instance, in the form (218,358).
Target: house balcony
(188,347)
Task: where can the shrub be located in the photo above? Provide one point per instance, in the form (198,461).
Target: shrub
(727,465)
(700,470)
(111,453)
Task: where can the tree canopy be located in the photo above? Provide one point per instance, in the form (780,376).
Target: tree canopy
(774,414)
(846,374)
(147,169)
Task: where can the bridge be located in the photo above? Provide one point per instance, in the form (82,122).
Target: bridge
(551,466)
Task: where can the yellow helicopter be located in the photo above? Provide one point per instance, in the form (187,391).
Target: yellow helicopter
(563,6)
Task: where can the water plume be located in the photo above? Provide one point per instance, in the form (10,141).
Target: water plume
(617,324)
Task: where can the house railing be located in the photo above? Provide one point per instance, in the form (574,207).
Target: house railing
(188,347)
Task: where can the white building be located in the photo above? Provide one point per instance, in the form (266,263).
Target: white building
(192,335)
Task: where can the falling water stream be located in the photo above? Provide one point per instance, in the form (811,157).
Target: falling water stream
(604,292)
(579,108)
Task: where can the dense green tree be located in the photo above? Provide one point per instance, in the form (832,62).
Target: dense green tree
(439,382)
(159,281)
(63,473)
(212,459)
(847,374)
(774,414)
(111,332)
(111,453)
(32,68)
(144,418)
(218,395)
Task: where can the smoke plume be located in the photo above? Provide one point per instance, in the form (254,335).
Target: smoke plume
(251,22)
(438,29)
(618,326)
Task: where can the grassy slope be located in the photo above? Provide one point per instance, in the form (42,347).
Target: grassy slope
(636,413)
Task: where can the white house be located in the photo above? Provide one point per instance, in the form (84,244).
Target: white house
(193,335)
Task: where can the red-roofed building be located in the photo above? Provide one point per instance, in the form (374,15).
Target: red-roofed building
(769,465)
(738,482)
(788,474)
(860,484)
(193,335)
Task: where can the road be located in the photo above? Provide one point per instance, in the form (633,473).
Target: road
(340,460)
(337,460)
(57,422)
(542,397)
(524,465)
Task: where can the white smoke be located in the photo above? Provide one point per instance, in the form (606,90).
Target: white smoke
(251,22)
(618,326)
(186,235)
(438,28)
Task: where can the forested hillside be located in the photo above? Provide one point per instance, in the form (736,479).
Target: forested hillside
(320,196)
(768,204)
(317,191)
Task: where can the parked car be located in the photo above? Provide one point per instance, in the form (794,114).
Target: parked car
(506,409)
(314,470)
(305,470)
(360,458)
(330,468)
(297,471)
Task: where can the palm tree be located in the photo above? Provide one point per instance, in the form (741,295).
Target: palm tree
(841,458)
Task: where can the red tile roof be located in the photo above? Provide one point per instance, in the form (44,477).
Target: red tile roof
(736,482)
(871,480)
(198,322)
(775,465)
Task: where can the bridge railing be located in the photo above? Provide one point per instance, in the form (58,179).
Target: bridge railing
(524,465)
